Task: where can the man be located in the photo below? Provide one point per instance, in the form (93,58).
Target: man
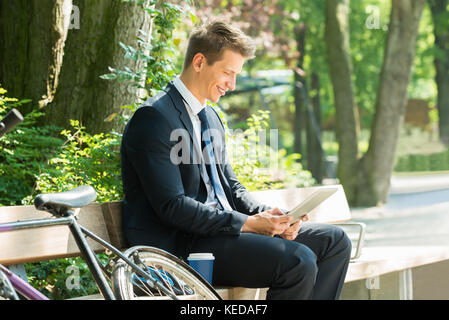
(184,201)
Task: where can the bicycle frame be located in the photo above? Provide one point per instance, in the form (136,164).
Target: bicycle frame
(79,233)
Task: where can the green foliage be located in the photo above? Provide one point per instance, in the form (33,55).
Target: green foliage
(423,162)
(82,159)
(23,153)
(34,160)
(85,159)
(258,162)
(422,84)
(51,277)
(9,103)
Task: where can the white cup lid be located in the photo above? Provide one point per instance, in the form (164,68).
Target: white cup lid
(201,256)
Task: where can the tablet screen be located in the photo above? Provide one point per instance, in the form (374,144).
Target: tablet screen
(311,202)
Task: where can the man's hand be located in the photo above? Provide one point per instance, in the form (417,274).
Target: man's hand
(270,222)
(292,231)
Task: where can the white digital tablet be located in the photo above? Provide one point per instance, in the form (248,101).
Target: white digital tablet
(311,202)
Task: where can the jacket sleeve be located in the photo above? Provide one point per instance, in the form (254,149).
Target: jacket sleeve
(148,146)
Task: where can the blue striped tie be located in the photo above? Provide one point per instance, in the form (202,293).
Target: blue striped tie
(211,166)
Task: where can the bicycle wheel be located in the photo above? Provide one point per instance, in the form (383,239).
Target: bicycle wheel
(7,291)
(165,269)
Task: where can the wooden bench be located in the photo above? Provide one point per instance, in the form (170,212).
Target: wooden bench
(49,243)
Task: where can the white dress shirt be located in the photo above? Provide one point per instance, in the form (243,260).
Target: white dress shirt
(194,106)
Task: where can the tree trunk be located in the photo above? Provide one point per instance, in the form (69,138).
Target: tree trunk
(314,148)
(440,13)
(377,166)
(31,48)
(340,66)
(299,90)
(367,181)
(82,95)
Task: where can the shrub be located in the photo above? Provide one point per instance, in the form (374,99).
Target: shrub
(259,164)
(85,159)
(51,277)
(82,159)
(423,162)
(23,153)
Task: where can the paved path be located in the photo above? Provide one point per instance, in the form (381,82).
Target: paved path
(403,184)
(416,214)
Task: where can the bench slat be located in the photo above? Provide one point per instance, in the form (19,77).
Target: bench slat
(376,261)
(46,243)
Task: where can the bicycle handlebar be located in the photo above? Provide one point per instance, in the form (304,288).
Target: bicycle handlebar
(12,119)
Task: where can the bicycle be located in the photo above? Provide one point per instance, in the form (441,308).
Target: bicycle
(140,272)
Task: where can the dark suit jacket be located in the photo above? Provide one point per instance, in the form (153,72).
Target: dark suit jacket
(163,204)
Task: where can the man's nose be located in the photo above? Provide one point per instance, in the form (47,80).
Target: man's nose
(231,83)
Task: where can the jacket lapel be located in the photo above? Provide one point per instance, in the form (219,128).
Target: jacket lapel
(178,102)
(180,106)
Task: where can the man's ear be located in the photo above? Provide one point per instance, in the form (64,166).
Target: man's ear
(198,62)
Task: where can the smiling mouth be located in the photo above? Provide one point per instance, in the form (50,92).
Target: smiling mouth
(222,92)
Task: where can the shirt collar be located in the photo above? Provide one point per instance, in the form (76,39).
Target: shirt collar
(191,100)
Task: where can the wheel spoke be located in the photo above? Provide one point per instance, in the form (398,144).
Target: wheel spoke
(173,275)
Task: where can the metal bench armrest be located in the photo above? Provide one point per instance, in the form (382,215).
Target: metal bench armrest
(360,239)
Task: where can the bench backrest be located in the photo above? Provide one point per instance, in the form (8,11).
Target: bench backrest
(105,220)
(48,242)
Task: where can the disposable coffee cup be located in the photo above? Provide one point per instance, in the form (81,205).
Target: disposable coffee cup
(203,263)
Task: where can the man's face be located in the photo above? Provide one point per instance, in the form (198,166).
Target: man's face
(220,77)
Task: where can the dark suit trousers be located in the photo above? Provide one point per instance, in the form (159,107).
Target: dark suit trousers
(311,267)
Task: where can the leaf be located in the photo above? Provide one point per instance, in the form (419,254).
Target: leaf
(192,17)
(109,76)
(111,117)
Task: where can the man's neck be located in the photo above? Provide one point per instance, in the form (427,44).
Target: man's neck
(189,80)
